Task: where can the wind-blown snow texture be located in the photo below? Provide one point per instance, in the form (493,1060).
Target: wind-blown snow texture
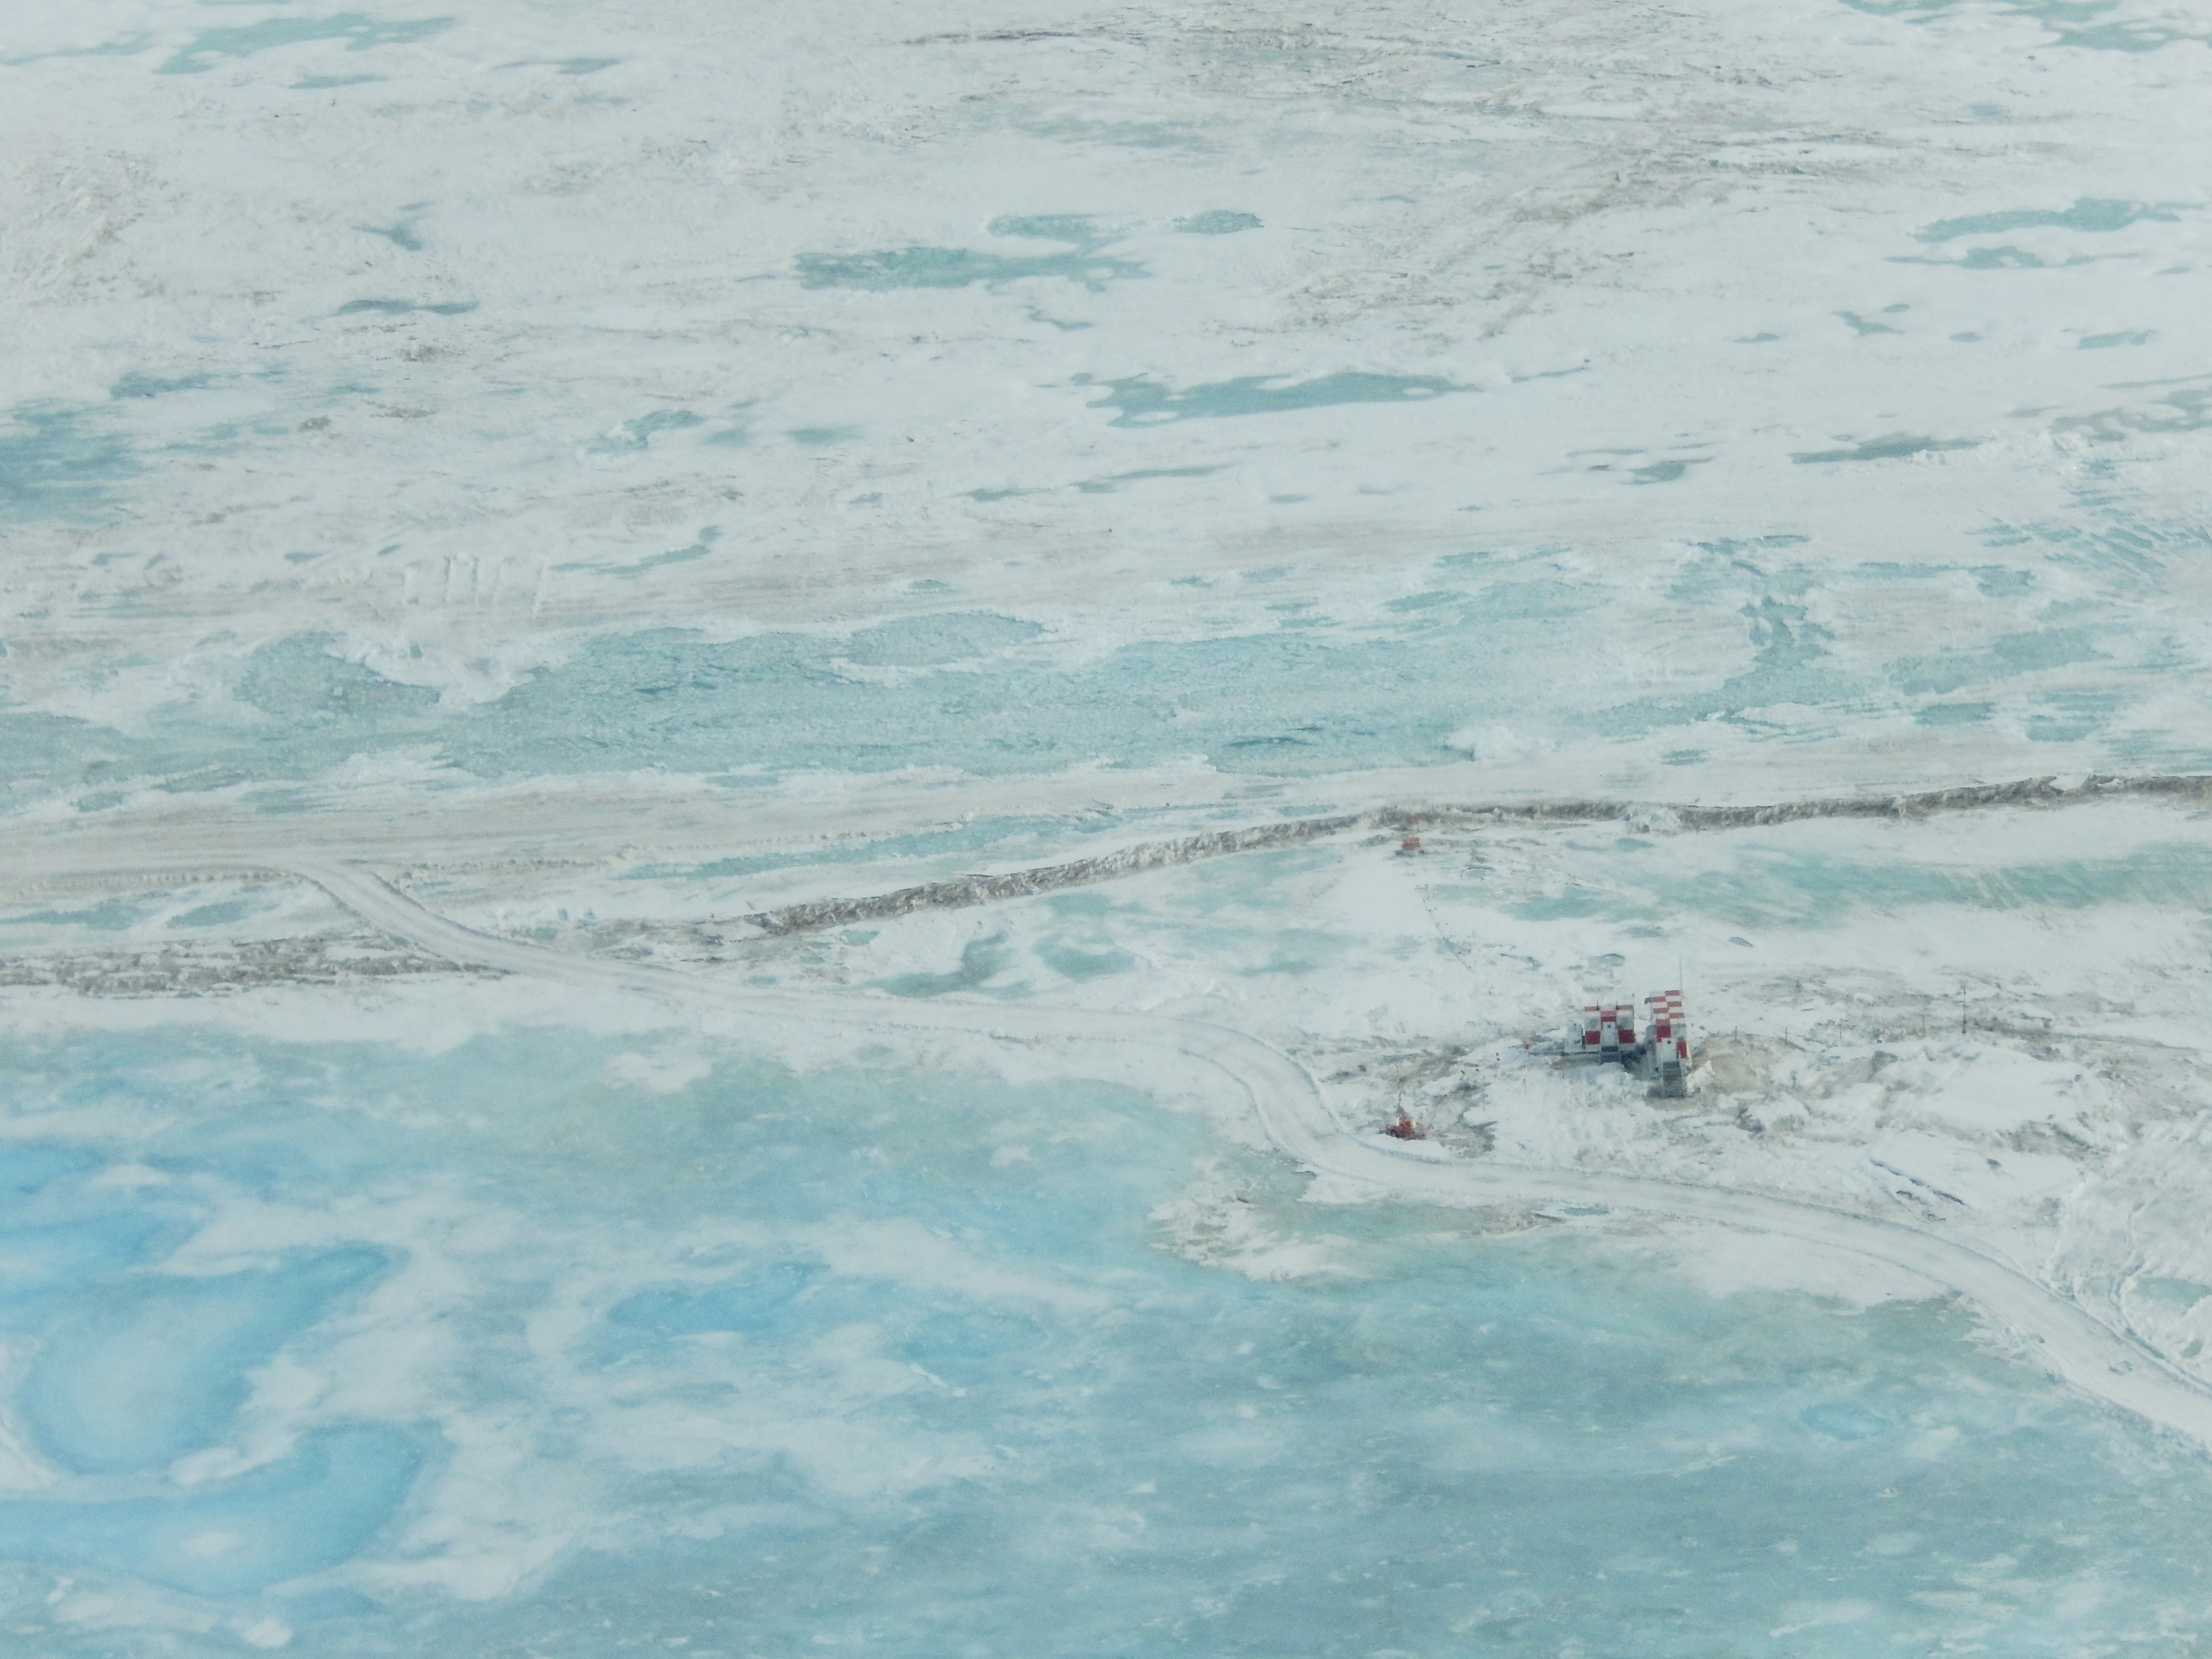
(576,458)
(652,387)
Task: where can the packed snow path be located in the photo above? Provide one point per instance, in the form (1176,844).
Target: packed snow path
(2067,1341)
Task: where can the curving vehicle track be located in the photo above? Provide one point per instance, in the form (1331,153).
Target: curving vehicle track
(2069,1342)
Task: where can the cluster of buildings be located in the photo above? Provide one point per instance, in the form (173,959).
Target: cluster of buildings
(1661,1051)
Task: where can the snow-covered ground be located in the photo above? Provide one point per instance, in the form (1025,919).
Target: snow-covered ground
(609,471)
(1629,387)
(1983,1024)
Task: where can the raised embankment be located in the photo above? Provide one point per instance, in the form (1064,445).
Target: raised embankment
(1160,854)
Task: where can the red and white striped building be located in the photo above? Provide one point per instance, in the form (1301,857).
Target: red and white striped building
(1609,1032)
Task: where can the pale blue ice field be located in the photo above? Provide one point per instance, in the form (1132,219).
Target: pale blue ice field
(1078,1443)
(1783,886)
(1478,647)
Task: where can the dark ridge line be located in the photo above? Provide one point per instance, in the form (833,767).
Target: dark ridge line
(1161,855)
(78,881)
(981,889)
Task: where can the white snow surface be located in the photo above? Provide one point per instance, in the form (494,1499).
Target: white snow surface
(528,487)
(458,341)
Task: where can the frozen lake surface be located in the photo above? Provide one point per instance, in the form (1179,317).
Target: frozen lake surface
(596,476)
(344,1340)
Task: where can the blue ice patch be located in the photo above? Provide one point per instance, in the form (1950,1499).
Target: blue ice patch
(156,1366)
(1142,401)
(1840,1419)
(314,1509)
(360,33)
(58,462)
(748,1305)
